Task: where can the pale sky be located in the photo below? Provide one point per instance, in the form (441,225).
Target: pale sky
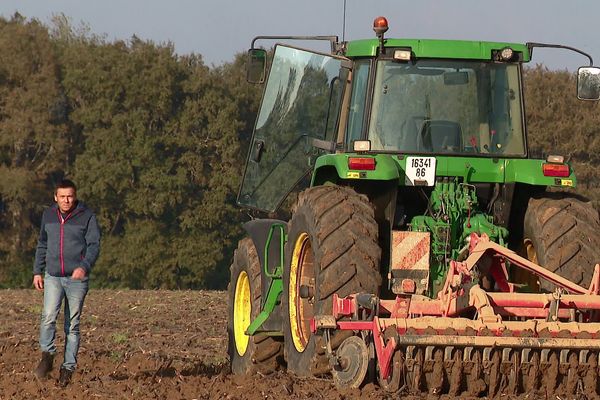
(220,29)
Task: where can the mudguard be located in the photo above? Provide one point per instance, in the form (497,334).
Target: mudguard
(258,230)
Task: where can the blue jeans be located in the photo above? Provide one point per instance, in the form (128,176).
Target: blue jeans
(73,292)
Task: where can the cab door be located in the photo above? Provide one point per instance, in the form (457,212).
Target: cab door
(297,122)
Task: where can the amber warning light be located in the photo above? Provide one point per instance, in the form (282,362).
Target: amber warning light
(380,25)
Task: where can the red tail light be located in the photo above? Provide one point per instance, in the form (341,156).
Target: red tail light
(361,163)
(557,170)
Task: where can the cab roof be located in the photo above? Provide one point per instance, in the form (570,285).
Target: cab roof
(436,48)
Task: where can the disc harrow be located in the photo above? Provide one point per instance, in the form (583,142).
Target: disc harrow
(477,370)
(465,363)
(471,341)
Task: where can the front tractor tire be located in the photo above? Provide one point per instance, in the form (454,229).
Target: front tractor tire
(332,248)
(248,354)
(561,234)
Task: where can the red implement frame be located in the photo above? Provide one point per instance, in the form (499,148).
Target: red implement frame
(419,320)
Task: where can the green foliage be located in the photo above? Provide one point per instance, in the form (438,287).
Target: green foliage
(152,140)
(119,338)
(161,161)
(33,137)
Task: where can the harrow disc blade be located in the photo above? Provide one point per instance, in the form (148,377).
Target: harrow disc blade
(352,363)
(394,381)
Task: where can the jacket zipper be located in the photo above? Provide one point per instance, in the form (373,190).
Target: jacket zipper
(62,235)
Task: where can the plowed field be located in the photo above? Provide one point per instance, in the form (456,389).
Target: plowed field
(142,345)
(149,345)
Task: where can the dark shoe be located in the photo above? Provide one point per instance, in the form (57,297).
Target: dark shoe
(65,377)
(45,365)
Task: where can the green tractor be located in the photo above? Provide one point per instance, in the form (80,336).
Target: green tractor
(401,154)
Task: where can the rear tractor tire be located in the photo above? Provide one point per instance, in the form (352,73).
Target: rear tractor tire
(561,234)
(332,247)
(248,354)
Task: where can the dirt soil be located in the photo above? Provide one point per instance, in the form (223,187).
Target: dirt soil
(142,345)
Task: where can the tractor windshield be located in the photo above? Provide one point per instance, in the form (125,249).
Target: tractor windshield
(447,107)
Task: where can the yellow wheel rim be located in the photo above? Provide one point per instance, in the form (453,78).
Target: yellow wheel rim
(520,275)
(530,251)
(241,313)
(301,309)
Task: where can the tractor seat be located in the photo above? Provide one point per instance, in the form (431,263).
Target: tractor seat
(440,136)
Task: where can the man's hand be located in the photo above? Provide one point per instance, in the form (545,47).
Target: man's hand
(38,282)
(78,274)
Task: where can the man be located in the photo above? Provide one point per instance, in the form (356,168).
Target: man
(67,249)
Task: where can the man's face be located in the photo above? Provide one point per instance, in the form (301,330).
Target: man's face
(65,198)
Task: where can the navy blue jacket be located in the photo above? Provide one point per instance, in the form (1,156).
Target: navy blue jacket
(67,242)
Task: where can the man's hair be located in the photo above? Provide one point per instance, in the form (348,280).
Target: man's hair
(64,184)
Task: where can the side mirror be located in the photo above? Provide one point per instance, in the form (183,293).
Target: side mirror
(588,83)
(257,65)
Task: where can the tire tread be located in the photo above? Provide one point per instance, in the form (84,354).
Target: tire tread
(564,231)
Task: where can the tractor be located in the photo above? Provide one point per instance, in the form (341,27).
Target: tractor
(426,249)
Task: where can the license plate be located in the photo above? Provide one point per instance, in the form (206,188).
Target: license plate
(420,171)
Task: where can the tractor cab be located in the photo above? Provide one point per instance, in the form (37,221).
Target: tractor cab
(386,96)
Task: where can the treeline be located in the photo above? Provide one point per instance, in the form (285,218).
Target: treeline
(156,143)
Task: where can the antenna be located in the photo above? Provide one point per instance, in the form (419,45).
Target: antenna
(344,24)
